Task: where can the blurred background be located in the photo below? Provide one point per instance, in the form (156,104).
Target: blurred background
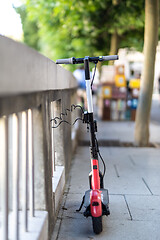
(67,28)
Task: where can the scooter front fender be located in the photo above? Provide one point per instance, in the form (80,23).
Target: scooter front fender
(95,203)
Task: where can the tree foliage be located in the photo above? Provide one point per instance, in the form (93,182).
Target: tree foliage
(30,28)
(68,28)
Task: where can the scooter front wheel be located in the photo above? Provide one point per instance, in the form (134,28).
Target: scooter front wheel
(97,224)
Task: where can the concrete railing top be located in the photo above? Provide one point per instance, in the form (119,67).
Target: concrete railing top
(23,70)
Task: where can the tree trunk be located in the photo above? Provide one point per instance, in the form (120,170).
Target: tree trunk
(114,45)
(145,98)
(114,39)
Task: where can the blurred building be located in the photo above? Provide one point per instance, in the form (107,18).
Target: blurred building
(133,62)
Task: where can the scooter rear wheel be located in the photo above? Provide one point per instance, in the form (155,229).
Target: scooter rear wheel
(97,224)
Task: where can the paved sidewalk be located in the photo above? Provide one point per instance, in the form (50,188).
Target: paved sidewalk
(122,131)
(133,181)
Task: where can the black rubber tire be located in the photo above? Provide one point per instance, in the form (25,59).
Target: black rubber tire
(97,224)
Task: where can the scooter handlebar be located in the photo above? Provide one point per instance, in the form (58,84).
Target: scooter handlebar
(64,61)
(109,58)
(91,59)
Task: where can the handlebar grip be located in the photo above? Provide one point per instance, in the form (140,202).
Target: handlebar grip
(64,61)
(110,58)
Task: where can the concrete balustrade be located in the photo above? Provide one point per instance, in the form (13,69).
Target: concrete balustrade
(24,70)
(35,158)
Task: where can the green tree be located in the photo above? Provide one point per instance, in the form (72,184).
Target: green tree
(77,28)
(30,28)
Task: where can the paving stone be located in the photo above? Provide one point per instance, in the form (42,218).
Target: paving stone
(144,208)
(72,229)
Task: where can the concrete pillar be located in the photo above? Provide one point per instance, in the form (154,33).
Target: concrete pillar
(59,137)
(39,184)
(46,126)
(66,103)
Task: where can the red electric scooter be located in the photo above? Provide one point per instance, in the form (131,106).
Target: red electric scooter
(96,199)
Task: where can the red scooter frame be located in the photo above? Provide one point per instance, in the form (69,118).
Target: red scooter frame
(95,194)
(95,200)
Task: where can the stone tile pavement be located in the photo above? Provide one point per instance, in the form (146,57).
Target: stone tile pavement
(133,181)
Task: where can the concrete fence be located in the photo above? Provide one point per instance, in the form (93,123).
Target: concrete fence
(34,157)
